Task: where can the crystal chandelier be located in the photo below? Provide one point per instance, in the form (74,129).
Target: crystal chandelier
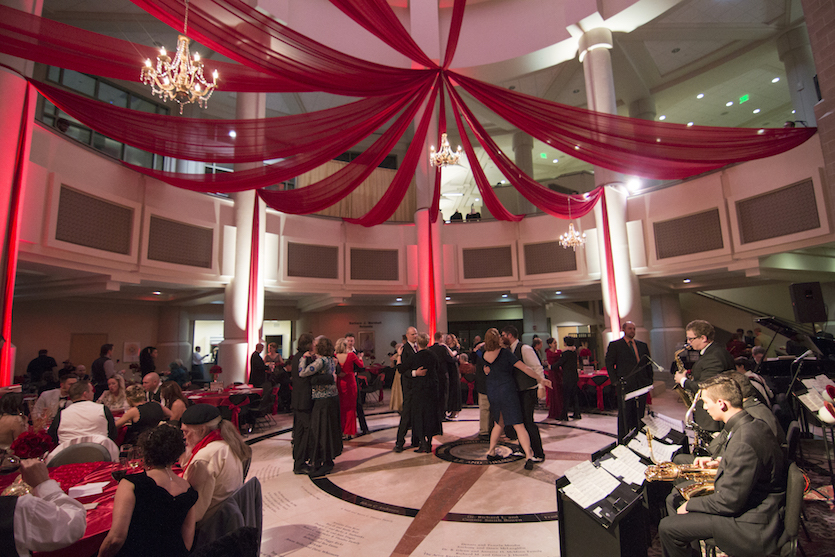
(572,239)
(180,79)
(445,156)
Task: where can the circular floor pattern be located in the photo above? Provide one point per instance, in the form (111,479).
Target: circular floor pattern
(473,451)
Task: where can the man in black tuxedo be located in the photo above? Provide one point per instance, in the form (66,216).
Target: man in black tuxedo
(622,358)
(404,366)
(713,360)
(743,512)
(301,402)
(257,367)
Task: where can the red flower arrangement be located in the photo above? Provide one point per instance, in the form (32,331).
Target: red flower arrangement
(215,370)
(32,444)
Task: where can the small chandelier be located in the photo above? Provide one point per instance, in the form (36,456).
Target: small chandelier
(180,79)
(572,239)
(445,156)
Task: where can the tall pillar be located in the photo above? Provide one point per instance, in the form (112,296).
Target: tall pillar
(535,322)
(523,157)
(173,337)
(643,108)
(13,92)
(236,346)
(667,328)
(796,54)
(600,92)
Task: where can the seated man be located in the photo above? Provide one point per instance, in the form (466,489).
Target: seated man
(742,514)
(151,383)
(44,521)
(53,400)
(82,417)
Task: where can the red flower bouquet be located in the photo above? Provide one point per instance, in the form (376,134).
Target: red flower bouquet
(32,444)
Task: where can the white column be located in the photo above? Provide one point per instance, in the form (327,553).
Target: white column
(643,108)
(236,347)
(173,337)
(523,157)
(600,95)
(796,54)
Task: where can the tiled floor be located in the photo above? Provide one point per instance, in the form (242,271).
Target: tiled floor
(377,502)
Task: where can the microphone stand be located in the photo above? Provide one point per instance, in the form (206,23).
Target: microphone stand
(622,398)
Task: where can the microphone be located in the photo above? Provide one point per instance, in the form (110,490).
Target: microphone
(802,356)
(658,366)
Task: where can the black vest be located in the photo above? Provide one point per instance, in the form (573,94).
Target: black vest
(7,508)
(523,380)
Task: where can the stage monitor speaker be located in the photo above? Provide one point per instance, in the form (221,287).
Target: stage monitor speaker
(807,301)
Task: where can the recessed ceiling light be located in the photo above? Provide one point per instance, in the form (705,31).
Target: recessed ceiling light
(662,117)
(633,185)
(700,96)
(729,103)
(454,194)
(156,292)
(558,292)
(399,299)
(775,80)
(576,147)
(760,132)
(477,199)
(793,111)
(448,298)
(689,124)
(658,140)
(503,182)
(233,134)
(504,295)
(686,281)
(756,111)
(555,161)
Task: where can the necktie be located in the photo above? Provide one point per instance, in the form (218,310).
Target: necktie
(634,349)
(414,347)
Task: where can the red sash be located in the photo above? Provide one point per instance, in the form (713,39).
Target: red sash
(213,435)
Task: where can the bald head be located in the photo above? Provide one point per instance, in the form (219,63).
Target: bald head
(150,382)
(411,334)
(629,330)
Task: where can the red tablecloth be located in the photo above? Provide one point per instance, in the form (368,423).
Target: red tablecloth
(587,379)
(222,399)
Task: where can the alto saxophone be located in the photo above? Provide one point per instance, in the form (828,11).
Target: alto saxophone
(669,471)
(702,438)
(682,393)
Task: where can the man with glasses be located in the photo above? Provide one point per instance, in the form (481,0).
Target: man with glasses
(713,360)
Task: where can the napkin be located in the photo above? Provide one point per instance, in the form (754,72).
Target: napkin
(86,490)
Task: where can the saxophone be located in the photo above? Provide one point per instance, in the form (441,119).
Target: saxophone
(667,471)
(682,393)
(702,438)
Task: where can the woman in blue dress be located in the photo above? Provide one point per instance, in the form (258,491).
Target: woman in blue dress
(505,408)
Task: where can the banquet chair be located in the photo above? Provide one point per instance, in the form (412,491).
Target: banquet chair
(80,452)
(243,542)
(242,508)
(110,448)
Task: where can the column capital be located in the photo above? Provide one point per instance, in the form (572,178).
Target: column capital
(599,37)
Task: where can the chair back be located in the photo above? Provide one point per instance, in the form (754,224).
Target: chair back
(599,379)
(242,508)
(80,452)
(795,488)
(243,542)
(793,439)
(103,440)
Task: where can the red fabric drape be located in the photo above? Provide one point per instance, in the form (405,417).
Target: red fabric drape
(209,141)
(328,191)
(11,248)
(454,31)
(42,40)
(391,200)
(252,290)
(553,203)
(377,17)
(239,31)
(614,312)
(631,145)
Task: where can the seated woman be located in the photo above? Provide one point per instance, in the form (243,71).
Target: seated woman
(12,422)
(214,457)
(114,397)
(175,401)
(178,373)
(142,415)
(153,511)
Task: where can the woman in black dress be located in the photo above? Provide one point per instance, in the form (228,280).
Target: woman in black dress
(141,416)
(148,360)
(325,426)
(567,362)
(505,408)
(153,511)
(426,395)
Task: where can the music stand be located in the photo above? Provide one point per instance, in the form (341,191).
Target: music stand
(623,396)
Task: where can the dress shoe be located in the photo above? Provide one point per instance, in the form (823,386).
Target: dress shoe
(303,469)
(494,457)
(424,449)
(398,448)
(529,464)
(538,458)
(576,417)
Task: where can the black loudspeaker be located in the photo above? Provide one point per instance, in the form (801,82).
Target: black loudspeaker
(807,301)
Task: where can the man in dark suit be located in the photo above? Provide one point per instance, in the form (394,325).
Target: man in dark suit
(257,367)
(404,366)
(622,358)
(713,360)
(742,514)
(448,368)
(301,402)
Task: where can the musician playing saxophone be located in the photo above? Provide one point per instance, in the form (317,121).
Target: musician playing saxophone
(713,360)
(742,513)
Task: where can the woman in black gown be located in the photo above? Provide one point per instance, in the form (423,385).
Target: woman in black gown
(505,408)
(153,511)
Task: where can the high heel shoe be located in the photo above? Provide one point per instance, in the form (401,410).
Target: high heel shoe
(529,464)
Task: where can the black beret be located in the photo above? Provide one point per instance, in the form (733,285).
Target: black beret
(199,414)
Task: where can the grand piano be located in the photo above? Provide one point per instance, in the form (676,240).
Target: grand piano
(781,370)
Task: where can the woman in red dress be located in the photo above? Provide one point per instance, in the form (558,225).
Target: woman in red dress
(552,354)
(346,383)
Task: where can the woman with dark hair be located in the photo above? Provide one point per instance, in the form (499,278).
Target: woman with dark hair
(325,430)
(567,363)
(141,416)
(147,360)
(552,354)
(174,400)
(153,511)
(12,422)
(505,408)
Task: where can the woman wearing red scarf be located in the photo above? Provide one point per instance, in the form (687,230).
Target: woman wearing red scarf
(213,461)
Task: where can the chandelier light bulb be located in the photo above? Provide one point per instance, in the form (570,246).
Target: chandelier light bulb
(445,156)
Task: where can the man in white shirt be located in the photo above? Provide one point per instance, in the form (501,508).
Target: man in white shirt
(46,520)
(53,400)
(526,386)
(83,417)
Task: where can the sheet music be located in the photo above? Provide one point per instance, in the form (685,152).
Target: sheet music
(822,381)
(812,400)
(810,383)
(661,451)
(674,423)
(658,428)
(625,465)
(589,484)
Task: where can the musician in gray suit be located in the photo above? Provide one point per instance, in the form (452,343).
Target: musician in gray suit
(713,360)
(743,512)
